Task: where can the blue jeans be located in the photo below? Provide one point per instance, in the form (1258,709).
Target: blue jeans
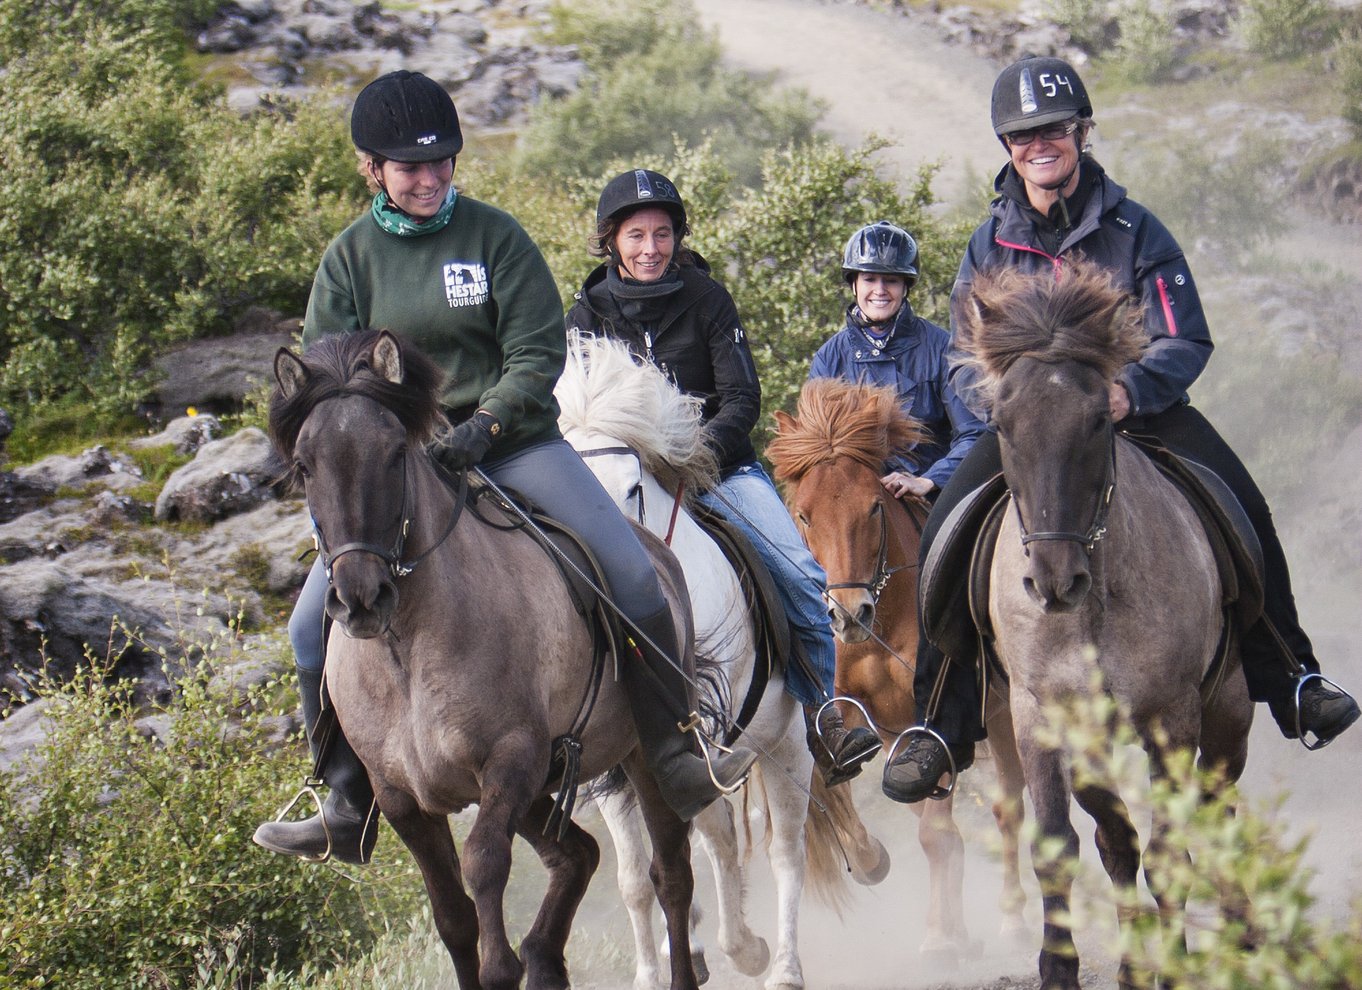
(748,499)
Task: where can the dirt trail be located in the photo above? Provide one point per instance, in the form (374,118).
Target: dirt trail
(876,72)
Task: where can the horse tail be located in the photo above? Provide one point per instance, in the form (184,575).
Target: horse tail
(825,842)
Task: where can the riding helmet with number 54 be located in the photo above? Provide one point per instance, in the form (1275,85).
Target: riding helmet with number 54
(1035,91)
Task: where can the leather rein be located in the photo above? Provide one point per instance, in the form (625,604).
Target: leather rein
(879,578)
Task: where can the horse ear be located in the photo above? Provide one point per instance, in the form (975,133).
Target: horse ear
(289,372)
(785,423)
(387,360)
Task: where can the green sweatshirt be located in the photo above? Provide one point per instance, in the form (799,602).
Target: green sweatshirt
(476,297)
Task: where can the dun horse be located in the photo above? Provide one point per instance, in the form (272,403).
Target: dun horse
(1093,541)
(830,457)
(644,439)
(458,657)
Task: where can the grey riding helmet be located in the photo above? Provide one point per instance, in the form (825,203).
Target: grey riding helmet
(1036,91)
(639,188)
(881,247)
(406,117)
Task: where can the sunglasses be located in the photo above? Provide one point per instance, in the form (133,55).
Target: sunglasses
(1050,132)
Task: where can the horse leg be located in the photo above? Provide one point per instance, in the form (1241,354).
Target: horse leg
(1225,725)
(718,837)
(622,819)
(843,828)
(1055,857)
(432,846)
(506,795)
(1118,844)
(940,839)
(670,870)
(1009,812)
(571,861)
(787,805)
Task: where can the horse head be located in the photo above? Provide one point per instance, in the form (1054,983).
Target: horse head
(830,455)
(346,417)
(1047,349)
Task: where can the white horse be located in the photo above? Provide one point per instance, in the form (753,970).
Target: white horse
(634,427)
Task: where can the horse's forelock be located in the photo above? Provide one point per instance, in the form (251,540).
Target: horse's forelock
(836,418)
(1080,316)
(339,364)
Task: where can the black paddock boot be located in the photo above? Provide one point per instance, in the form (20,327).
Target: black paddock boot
(922,758)
(1315,707)
(659,697)
(838,752)
(347,826)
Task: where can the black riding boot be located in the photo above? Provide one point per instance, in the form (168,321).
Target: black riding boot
(838,752)
(660,698)
(348,823)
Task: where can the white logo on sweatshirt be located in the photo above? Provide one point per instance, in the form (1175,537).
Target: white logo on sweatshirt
(465,283)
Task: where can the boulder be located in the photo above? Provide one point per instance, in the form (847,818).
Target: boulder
(225,477)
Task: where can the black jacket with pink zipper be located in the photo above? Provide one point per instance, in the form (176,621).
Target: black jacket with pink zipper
(1121,236)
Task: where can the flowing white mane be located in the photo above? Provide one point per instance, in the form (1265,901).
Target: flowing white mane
(604,390)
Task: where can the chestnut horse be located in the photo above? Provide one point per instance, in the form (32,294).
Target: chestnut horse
(457,659)
(830,456)
(1103,581)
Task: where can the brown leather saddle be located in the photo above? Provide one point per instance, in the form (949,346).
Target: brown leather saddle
(954,584)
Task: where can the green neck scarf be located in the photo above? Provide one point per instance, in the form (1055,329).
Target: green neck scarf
(394,221)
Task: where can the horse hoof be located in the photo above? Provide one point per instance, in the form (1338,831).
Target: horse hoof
(752,957)
(872,876)
(697,963)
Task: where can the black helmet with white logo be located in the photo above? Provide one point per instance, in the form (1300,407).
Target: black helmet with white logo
(406,117)
(639,188)
(1035,91)
(881,247)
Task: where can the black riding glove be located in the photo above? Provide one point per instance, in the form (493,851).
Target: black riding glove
(467,443)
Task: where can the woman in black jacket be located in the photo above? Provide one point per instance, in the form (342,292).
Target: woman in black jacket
(1056,203)
(657,296)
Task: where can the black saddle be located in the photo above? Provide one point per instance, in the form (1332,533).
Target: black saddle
(954,584)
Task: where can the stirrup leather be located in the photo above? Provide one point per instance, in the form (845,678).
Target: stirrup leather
(938,793)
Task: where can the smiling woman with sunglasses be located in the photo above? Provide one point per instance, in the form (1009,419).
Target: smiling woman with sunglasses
(1055,202)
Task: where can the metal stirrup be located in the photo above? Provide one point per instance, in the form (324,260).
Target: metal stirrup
(938,793)
(310,785)
(818,716)
(1296,701)
(692,724)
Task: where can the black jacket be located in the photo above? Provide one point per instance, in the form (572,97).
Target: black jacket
(695,337)
(1130,242)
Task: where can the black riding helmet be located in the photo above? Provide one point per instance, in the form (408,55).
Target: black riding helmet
(881,247)
(1035,91)
(406,117)
(639,188)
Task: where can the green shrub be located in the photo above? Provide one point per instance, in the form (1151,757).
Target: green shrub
(1090,23)
(1348,59)
(653,75)
(1146,48)
(1284,28)
(151,213)
(127,856)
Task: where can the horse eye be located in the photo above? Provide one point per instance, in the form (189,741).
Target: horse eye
(803,519)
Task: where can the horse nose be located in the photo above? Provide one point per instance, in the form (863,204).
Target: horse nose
(1058,593)
(852,622)
(362,599)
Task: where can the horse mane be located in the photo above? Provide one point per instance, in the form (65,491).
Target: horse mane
(339,364)
(1078,314)
(837,418)
(604,389)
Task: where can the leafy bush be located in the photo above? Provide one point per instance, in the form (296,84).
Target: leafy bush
(151,212)
(1284,28)
(654,75)
(127,857)
(1146,48)
(1091,24)
(1348,59)
(1218,853)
